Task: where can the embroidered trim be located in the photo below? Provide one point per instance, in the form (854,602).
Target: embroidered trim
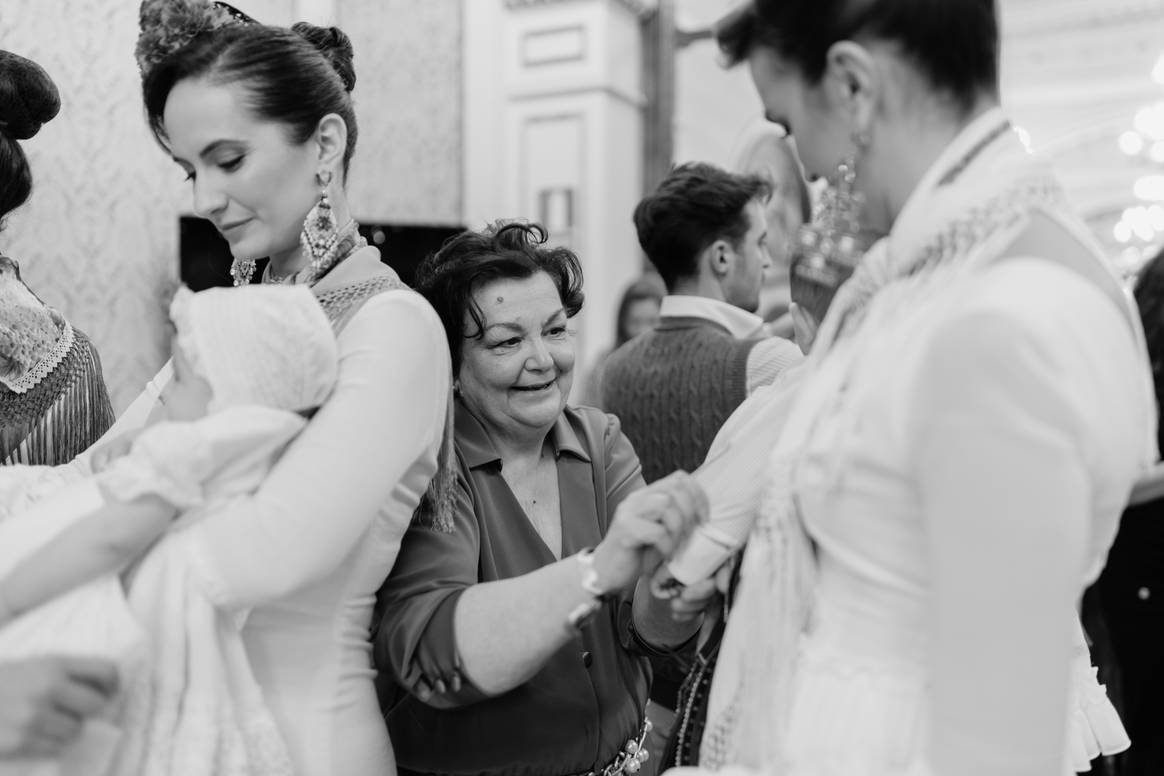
(43,368)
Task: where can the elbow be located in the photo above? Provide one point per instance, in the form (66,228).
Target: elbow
(419,648)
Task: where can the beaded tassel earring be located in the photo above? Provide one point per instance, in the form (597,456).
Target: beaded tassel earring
(831,243)
(242,270)
(320,230)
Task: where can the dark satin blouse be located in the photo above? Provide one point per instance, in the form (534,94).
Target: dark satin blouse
(579,710)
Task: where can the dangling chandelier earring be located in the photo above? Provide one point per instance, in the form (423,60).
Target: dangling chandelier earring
(323,240)
(320,230)
(242,270)
(831,244)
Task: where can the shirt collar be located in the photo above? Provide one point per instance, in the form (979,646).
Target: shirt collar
(741,324)
(477,447)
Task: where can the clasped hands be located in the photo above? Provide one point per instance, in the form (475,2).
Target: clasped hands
(648,528)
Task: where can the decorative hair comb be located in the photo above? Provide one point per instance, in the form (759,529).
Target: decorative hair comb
(168,25)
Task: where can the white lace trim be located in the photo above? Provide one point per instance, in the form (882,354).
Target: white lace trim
(43,368)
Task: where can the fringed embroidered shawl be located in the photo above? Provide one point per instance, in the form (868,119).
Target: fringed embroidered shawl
(65,412)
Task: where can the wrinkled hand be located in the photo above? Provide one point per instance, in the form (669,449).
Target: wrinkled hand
(648,527)
(44,701)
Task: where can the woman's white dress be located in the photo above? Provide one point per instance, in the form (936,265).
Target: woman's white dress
(307,552)
(959,456)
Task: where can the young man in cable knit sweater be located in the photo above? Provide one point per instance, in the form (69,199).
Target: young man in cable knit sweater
(705,231)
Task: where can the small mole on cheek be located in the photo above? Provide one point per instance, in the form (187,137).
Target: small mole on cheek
(500,299)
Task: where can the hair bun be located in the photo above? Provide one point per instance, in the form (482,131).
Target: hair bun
(335,45)
(28,96)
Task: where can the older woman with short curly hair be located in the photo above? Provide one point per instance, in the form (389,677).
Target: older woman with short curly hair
(515,643)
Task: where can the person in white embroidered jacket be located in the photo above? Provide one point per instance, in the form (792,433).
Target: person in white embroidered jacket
(249,363)
(972,418)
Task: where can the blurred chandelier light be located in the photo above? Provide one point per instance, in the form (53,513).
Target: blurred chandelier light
(1141,226)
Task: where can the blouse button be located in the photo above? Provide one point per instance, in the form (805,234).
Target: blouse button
(1144,594)
(587,659)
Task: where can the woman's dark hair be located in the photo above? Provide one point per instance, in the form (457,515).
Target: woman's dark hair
(28,99)
(695,205)
(648,287)
(1149,294)
(449,278)
(954,43)
(294,77)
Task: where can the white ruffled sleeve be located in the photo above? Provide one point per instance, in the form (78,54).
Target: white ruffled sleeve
(999,456)
(387,412)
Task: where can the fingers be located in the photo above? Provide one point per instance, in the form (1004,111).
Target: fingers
(436,684)
(664,585)
(680,500)
(77,699)
(53,731)
(45,701)
(694,600)
(422,690)
(100,675)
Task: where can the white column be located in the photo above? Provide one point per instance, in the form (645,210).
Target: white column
(554,133)
(321,12)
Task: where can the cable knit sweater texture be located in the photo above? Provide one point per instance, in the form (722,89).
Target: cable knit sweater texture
(673,388)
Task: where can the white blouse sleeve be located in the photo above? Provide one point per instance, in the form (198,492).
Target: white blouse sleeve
(734,476)
(997,452)
(387,411)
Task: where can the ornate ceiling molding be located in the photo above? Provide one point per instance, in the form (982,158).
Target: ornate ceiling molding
(1049,17)
(640,8)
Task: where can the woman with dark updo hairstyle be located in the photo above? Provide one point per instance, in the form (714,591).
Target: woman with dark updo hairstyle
(260,119)
(53,401)
(53,404)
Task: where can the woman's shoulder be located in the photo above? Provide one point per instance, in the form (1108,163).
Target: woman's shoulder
(1043,300)
(599,432)
(401,309)
(594,421)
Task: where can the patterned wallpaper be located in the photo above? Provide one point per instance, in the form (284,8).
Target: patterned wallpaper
(98,238)
(407,167)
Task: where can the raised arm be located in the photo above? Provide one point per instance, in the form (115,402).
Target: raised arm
(386,413)
(100,543)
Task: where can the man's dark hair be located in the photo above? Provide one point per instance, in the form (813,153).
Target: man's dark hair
(695,205)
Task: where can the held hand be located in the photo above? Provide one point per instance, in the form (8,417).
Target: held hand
(43,702)
(649,526)
(694,600)
(110,451)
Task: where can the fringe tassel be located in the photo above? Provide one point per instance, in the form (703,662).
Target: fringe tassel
(436,506)
(77,418)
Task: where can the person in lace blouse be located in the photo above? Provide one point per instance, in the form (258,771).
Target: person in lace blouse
(53,399)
